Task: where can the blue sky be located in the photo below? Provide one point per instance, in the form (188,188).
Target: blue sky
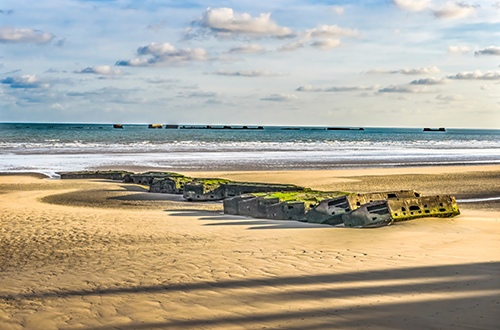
(408,63)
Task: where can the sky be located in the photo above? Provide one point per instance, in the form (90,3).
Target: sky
(385,63)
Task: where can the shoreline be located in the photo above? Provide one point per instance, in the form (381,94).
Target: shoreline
(423,179)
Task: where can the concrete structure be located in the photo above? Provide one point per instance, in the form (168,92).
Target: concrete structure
(147,177)
(329,211)
(205,190)
(109,175)
(169,185)
(219,189)
(279,206)
(393,210)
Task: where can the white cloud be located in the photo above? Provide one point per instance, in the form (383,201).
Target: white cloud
(491,50)
(458,50)
(224,22)
(326,44)
(327,31)
(455,10)
(425,70)
(99,69)
(429,81)
(25,81)
(485,87)
(450,98)
(11,35)
(413,89)
(165,54)
(248,73)
(248,49)
(199,94)
(291,46)
(406,71)
(339,10)
(308,88)
(412,5)
(280,97)
(477,75)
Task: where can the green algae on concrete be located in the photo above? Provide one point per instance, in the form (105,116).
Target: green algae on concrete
(169,185)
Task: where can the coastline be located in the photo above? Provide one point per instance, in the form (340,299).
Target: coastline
(100,254)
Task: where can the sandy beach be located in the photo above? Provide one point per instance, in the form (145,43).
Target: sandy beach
(98,254)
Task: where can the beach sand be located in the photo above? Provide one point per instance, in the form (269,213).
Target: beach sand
(98,254)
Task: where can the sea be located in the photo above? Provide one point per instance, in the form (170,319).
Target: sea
(52,148)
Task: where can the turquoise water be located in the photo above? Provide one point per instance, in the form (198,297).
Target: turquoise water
(56,147)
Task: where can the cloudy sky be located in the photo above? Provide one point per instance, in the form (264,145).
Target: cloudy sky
(403,63)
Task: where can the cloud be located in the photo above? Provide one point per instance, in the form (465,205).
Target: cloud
(291,46)
(326,44)
(7,12)
(280,97)
(248,73)
(24,81)
(455,10)
(339,10)
(458,50)
(412,5)
(485,87)
(491,50)
(248,49)
(429,81)
(99,69)
(406,71)
(404,89)
(476,75)
(158,80)
(309,88)
(199,94)
(450,98)
(165,54)
(156,27)
(12,35)
(224,22)
(449,10)
(327,31)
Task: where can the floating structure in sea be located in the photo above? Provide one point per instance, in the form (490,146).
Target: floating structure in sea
(118,126)
(441,129)
(344,129)
(155,126)
(221,127)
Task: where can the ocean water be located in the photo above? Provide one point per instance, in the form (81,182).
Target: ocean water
(50,148)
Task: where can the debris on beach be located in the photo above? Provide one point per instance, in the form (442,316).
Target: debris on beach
(109,175)
(290,202)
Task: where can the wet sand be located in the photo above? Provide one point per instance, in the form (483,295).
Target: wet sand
(97,254)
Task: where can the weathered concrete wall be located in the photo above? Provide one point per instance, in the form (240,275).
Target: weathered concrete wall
(205,190)
(401,209)
(219,189)
(169,185)
(147,177)
(279,205)
(109,175)
(329,211)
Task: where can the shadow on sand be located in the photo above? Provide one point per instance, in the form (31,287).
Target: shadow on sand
(464,290)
